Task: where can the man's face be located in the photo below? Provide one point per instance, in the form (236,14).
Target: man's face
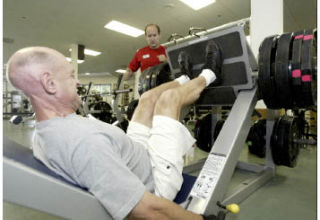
(67,85)
(153,37)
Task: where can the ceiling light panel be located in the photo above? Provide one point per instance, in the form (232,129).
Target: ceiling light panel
(196,5)
(121,71)
(91,52)
(69,60)
(124,28)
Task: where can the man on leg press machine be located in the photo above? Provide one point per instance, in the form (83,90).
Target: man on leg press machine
(134,174)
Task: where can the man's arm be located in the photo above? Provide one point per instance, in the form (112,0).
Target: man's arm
(128,74)
(153,207)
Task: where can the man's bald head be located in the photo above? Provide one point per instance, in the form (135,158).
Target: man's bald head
(26,65)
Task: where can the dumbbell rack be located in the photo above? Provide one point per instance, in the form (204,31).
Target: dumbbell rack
(217,170)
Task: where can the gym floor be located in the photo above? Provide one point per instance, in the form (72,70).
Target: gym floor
(291,194)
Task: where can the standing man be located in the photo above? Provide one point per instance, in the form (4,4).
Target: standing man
(149,56)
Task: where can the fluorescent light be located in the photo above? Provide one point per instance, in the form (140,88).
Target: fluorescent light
(69,60)
(89,52)
(121,71)
(196,5)
(87,74)
(124,28)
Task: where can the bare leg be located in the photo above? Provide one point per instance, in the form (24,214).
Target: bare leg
(144,111)
(172,100)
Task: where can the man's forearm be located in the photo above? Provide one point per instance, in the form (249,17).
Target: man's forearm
(153,207)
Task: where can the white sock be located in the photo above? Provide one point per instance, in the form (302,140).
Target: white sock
(208,75)
(182,79)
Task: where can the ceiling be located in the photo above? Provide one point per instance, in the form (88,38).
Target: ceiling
(60,23)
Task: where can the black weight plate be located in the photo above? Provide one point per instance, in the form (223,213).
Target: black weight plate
(144,81)
(293,148)
(308,78)
(256,138)
(131,107)
(296,69)
(282,74)
(277,141)
(161,74)
(154,76)
(314,68)
(274,135)
(164,74)
(81,90)
(217,129)
(153,79)
(123,125)
(266,72)
(102,106)
(148,79)
(105,111)
(203,134)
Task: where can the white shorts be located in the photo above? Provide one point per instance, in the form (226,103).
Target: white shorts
(167,141)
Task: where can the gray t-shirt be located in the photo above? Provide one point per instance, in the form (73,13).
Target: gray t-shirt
(97,156)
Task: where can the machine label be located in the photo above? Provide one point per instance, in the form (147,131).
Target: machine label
(209,176)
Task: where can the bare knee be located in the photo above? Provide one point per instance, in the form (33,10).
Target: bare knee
(169,103)
(148,100)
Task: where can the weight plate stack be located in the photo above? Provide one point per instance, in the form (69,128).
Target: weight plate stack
(282,74)
(266,81)
(154,76)
(296,69)
(308,73)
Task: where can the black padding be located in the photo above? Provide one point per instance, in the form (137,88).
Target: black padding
(221,95)
(24,155)
(188,182)
(230,43)
(234,74)
(235,70)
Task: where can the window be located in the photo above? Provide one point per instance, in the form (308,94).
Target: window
(103,89)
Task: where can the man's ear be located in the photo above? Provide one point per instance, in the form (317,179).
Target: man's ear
(48,83)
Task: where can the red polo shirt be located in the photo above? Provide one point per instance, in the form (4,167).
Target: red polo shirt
(146,57)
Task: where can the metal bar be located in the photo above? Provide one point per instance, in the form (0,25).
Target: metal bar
(244,21)
(256,168)
(216,173)
(305,141)
(246,188)
(194,167)
(270,124)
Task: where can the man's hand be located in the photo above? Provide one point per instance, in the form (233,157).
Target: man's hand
(162,58)
(153,207)
(128,74)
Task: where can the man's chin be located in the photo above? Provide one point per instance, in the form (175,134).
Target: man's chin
(154,46)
